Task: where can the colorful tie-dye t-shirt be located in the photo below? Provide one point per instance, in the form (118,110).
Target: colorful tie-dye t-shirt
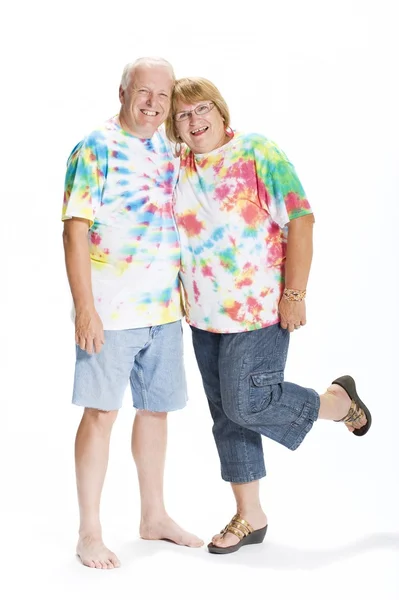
(232,208)
(123,185)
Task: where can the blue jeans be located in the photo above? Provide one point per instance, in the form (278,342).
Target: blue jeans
(243,378)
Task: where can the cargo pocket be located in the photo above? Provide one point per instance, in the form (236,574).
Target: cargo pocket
(261,389)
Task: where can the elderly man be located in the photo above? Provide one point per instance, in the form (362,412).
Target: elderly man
(122,258)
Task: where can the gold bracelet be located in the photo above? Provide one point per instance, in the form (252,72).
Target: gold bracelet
(294,295)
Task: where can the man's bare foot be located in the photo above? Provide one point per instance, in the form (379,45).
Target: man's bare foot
(94,554)
(256,518)
(343,398)
(164,528)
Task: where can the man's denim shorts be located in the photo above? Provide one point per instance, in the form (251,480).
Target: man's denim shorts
(151,358)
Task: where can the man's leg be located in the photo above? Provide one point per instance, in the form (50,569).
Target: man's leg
(91,458)
(100,383)
(149,440)
(158,386)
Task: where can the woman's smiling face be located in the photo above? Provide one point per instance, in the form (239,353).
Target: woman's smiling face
(202,131)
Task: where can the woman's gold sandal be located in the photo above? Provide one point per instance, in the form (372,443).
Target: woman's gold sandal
(243,530)
(357,408)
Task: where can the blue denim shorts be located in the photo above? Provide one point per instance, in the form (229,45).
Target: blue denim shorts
(151,358)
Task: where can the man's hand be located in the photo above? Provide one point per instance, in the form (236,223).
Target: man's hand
(292,314)
(89,331)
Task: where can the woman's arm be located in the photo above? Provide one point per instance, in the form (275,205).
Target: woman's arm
(297,268)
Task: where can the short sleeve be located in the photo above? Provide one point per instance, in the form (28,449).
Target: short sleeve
(84,180)
(279,186)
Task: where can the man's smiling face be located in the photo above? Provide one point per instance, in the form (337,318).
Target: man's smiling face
(146,100)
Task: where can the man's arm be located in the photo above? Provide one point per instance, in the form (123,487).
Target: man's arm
(89,332)
(297,268)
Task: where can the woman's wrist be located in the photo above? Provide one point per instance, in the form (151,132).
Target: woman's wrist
(293,295)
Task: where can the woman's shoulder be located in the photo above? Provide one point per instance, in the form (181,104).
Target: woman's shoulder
(262,146)
(256,140)
(251,136)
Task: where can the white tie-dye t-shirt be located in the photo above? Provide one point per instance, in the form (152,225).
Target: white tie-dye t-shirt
(123,185)
(232,207)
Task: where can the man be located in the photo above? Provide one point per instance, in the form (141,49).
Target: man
(122,258)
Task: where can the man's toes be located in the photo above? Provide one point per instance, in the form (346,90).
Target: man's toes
(89,563)
(115,561)
(97,564)
(190,541)
(196,543)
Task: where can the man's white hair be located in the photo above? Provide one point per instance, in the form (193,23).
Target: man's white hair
(149,61)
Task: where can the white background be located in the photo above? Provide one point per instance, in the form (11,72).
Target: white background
(318,77)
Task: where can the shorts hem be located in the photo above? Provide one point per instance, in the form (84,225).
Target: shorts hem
(100,408)
(160,409)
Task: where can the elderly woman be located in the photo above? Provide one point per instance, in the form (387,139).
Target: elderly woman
(246,236)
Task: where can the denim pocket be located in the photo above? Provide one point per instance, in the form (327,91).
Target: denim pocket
(261,389)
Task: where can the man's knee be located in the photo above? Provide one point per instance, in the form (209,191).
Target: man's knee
(101,419)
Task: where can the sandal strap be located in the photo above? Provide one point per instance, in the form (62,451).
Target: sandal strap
(240,534)
(240,527)
(355,413)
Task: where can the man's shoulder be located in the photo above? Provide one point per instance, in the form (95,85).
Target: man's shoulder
(94,143)
(101,135)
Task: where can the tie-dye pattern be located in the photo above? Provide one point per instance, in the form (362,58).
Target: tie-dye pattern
(123,186)
(232,208)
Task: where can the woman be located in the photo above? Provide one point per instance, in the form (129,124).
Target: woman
(246,237)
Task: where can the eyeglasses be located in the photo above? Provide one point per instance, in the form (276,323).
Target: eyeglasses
(199,110)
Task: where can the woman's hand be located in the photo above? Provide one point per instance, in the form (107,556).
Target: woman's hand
(292,314)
